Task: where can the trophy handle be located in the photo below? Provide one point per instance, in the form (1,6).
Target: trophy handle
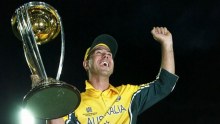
(62,50)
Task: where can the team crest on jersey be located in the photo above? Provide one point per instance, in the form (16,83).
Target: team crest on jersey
(89,112)
(89,109)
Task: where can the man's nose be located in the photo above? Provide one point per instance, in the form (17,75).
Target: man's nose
(105,55)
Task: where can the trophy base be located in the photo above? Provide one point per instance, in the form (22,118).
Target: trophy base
(52,99)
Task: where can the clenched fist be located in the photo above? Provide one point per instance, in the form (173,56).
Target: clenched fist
(162,35)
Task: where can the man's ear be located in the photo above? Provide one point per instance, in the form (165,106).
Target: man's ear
(86,64)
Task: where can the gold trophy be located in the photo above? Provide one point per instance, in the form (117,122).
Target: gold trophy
(37,23)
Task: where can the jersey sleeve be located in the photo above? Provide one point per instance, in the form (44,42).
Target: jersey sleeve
(151,93)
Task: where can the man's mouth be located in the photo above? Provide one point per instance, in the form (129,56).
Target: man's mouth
(105,63)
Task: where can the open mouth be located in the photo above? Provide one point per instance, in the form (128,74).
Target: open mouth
(105,64)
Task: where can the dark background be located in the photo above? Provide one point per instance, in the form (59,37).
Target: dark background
(194,25)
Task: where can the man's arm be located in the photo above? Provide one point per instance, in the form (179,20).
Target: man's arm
(164,37)
(56,121)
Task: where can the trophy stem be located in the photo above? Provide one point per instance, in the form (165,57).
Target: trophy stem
(31,51)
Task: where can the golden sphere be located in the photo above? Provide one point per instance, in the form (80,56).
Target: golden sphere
(44,20)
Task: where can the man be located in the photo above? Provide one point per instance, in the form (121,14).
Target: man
(103,103)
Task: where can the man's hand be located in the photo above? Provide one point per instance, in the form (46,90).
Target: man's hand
(162,35)
(35,80)
(56,121)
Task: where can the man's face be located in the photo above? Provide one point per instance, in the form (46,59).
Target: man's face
(100,61)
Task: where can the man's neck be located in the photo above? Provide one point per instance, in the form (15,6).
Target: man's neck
(99,82)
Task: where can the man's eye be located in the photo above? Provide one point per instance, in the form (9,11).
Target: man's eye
(109,54)
(98,52)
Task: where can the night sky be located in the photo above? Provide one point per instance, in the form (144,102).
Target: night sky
(194,25)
